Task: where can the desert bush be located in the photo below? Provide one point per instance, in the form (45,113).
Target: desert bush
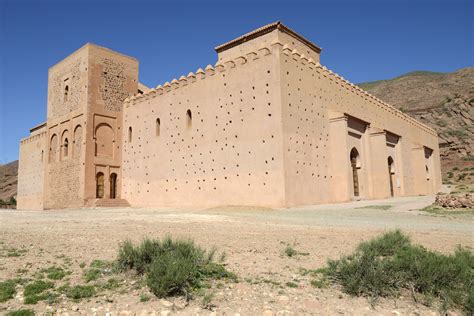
(7,290)
(290,251)
(37,291)
(385,265)
(21,312)
(171,267)
(54,273)
(80,291)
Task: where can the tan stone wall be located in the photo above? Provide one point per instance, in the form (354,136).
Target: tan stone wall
(112,78)
(231,154)
(64,180)
(31,171)
(318,137)
(305,132)
(312,98)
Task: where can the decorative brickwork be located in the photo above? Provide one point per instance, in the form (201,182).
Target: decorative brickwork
(112,87)
(66,89)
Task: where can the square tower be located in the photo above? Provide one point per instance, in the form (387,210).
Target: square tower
(85,96)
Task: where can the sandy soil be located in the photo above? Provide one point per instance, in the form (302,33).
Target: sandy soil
(252,238)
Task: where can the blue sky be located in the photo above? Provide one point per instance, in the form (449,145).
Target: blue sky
(361,40)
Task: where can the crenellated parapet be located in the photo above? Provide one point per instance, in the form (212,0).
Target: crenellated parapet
(33,138)
(200,74)
(323,70)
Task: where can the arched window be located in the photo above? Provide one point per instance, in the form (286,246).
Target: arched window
(158,126)
(104,140)
(189,119)
(64,151)
(66,92)
(65,147)
(53,147)
(77,143)
(130,134)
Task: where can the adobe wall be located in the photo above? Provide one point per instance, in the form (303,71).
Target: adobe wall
(67,102)
(231,154)
(305,131)
(31,171)
(112,78)
(318,107)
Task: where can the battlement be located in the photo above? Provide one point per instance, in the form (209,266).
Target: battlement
(286,49)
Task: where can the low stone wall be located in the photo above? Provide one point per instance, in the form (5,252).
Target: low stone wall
(455,201)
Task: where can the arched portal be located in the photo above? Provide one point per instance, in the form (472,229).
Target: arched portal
(113,186)
(391,173)
(99,185)
(354,157)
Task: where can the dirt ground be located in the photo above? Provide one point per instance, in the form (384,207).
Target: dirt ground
(252,238)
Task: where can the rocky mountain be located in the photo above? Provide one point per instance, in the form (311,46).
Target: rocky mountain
(8,181)
(443,101)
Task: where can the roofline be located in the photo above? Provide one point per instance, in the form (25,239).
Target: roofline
(262,31)
(37,127)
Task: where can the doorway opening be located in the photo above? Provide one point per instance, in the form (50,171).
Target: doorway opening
(113,186)
(99,192)
(391,173)
(354,156)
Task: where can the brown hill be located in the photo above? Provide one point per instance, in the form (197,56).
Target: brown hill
(443,101)
(8,180)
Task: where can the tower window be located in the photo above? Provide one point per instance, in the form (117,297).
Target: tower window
(130,134)
(66,93)
(158,126)
(66,147)
(189,119)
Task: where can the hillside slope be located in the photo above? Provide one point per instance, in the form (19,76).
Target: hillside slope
(8,180)
(443,101)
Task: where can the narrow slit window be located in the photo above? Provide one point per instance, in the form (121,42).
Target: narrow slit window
(158,126)
(130,134)
(189,119)
(66,93)
(66,147)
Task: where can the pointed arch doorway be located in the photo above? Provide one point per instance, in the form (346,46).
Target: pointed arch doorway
(113,185)
(391,173)
(355,164)
(99,191)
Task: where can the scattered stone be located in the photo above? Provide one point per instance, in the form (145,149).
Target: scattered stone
(454,201)
(166,303)
(165,313)
(75,308)
(267,313)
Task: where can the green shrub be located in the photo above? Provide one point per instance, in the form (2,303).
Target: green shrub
(80,291)
(54,273)
(172,267)
(7,290)
(92,274)
(37,287)
(290,251)
(139,257)
(22,312)
(37,291)
(383,266)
